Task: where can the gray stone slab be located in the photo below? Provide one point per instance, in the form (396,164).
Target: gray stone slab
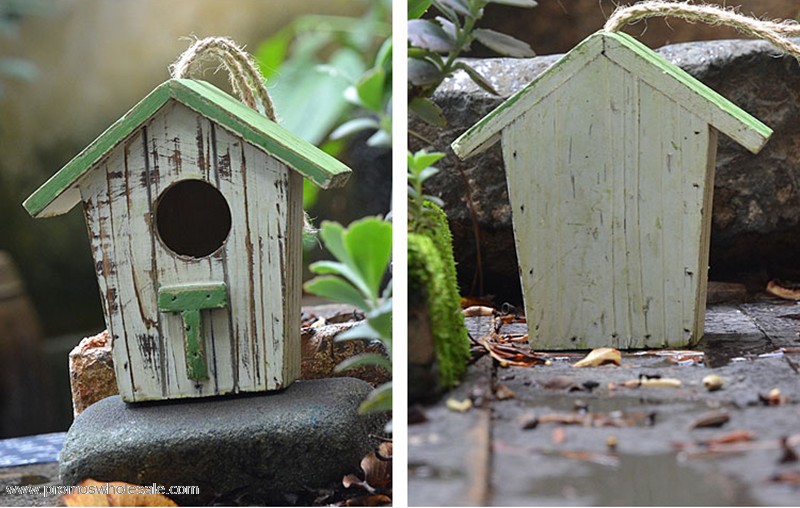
(536,467)
(279,448)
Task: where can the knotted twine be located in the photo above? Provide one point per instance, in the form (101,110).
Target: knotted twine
(776,32)
(246,80)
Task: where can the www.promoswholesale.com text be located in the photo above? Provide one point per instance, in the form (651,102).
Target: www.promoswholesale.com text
(104,489)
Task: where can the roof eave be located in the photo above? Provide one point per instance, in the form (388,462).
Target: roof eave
(59,194)
(486,132)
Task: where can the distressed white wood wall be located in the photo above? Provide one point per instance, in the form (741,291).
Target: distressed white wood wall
(611,231)
(254,343)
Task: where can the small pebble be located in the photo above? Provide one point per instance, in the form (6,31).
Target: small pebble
(713,382)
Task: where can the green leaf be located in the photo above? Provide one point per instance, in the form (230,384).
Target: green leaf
(309,98)
(370,89)
(384,56)
(426,34)
(381,138)
(502,43)
(332,235)
(427,110)
(353,126)
(379,399)
(364,359)
(459,6)
(427,173)
(477,78)
(349,272)
(310,194)
(423,73)
(362,331)
(272,53)
(369,242)
(381,322)
(422,159)
(416,8)
(336,289)
(516,3)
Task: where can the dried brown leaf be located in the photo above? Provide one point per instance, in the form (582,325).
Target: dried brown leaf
(712,419)
(773,398)
(377,467)
(503,392)
(790,477)
(600,356)
(736,436)
(461,406)
(374,500)
(478,311)
(775,288)
(562,383)
(665,382)
(112,497)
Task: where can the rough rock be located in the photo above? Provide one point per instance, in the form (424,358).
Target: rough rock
(91,365)
(282,448)
(756,214)
(91,372)
(321,353)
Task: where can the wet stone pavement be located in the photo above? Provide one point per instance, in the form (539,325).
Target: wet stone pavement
(626,445)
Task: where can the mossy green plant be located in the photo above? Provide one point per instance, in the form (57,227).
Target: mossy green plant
(432,275)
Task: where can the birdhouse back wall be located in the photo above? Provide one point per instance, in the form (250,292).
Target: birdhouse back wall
(610,183)
(138,204)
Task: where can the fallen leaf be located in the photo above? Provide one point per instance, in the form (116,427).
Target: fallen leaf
(713,382)
(773,398)
(377,467)
(503,392)
(600,356)
(562,383)
(665,382)
(461,406)
(478,311)
(712,419)
(736,436)
(559,435)
(508,354)
(789,455)
(776,288)
(115,494)
(603,459)
(528,421)
(791,477)
(376,500)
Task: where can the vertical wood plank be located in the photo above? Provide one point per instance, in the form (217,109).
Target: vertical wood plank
(606,200)
(174,154)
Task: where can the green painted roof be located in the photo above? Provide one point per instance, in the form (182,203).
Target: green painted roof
(211,102)
(650,66)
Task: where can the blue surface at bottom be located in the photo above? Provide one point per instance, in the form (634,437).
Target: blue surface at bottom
(36,449)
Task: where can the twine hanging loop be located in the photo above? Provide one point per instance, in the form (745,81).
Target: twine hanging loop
(776,32)
(246,80)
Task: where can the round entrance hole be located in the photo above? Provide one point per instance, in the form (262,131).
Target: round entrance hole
(192,218)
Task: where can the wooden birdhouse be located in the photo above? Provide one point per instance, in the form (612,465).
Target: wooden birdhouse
(609,159)
(193,203)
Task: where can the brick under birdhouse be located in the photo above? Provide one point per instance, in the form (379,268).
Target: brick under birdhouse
(609,158)
(193,203)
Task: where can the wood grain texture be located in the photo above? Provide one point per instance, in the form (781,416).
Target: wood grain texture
(637,59)
(247,344)
(60,193)
(610,184)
